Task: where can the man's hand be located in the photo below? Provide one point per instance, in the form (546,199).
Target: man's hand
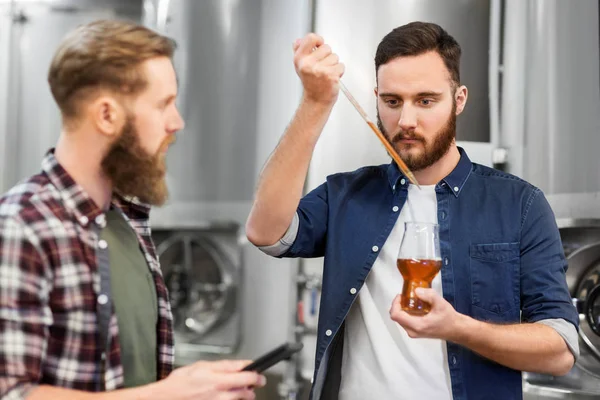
(442,321)
(319,69)
(216,380)
(522,346)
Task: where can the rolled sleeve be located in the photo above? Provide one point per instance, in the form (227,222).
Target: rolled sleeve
(24,312)
(284,244)
(306,235)
(544,291)
(567,331)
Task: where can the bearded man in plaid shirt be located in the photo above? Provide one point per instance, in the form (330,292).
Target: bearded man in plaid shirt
(83,304)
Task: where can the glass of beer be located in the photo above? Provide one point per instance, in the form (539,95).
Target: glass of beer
(419,261)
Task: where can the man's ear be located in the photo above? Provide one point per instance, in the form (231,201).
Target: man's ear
(460,96)
(107,114)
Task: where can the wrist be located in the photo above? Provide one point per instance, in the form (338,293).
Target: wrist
(463,327)
(316,104)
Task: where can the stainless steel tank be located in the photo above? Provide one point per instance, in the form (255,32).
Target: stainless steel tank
(30,31)
(217,61)
(551,94)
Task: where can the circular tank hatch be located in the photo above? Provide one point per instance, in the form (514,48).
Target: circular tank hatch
(583,277)
(201,281)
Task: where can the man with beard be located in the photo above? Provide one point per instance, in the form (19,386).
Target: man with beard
(83,305)
(500,304)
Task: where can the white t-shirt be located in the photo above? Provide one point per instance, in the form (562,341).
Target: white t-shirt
(380,360)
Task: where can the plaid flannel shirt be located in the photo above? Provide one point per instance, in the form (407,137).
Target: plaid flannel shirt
(49,288)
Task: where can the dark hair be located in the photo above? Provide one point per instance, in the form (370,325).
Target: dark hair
(103,54)
(417,38)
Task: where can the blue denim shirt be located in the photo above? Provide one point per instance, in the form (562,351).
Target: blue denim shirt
(502,259)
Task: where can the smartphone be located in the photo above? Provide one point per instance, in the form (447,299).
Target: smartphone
(271,358)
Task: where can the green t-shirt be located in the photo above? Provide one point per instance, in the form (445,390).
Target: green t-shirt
(134,299)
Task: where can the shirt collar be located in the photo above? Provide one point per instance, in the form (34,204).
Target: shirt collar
(454,181)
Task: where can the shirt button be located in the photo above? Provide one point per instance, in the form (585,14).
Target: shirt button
(102,244)
(395,209)
(446,260)
(83,220)
(453,360)
(353,291)
(100,220)
(402,181)
(456,188)
(149,258)
(102,299)
(443,215)
(328,332)
(375,249)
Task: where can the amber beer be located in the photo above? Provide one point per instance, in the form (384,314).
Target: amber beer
(416,273)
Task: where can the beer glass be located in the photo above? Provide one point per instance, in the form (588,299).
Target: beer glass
(419,261)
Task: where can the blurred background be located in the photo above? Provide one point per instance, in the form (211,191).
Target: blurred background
(533,72)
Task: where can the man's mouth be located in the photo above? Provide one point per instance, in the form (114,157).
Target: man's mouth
(407,139)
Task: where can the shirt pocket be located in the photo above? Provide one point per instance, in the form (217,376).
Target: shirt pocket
(495,276)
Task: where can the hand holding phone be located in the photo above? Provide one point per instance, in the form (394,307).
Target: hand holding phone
(271,358)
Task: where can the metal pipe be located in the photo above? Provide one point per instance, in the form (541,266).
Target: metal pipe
(494,71)
(162,15)
(514,69)
(5,70)
(13,120)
